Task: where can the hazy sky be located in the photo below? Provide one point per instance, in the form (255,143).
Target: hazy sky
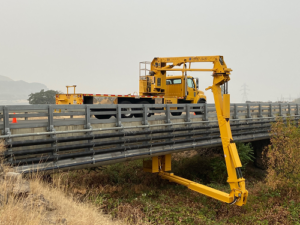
(97,45)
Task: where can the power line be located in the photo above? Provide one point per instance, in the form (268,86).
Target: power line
(245,91)
(290,98)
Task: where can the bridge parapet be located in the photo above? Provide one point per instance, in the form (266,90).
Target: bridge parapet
(48,137)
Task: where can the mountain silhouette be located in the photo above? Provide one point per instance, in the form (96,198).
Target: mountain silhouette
(12,92)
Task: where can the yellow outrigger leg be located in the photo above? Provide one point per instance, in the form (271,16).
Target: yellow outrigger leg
(161,164)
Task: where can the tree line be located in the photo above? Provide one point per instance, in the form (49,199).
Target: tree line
(43,97)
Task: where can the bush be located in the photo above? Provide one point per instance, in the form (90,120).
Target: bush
(246,153)
(207,169)
(219,172)
(283,156)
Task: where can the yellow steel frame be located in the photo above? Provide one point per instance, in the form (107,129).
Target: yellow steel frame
(72,86)
(238,194)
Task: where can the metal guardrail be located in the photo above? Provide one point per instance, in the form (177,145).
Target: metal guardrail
(51,118)
(140,112)
(196,127)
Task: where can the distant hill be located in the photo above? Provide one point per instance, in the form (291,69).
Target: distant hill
(3,78)
(16,92)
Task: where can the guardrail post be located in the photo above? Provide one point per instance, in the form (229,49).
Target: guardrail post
(248,111)
(205,116)
(6,131)
(168,120)
(235,112)
(6,120)
(119,124)
(50,128)
(145,115)
(119,115)
(26,118)
(280,110)
(168,113)
(87,117)
(188,115)
(289,109)
(270,110)
(50,119)
(260,110)
(88,126)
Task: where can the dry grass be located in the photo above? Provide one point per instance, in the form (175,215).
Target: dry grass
(64,209)
(2,148)
(283,156)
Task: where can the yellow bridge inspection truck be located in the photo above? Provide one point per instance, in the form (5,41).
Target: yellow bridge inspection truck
(154,88)
(157,87)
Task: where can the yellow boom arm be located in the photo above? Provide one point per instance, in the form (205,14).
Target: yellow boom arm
(238,194)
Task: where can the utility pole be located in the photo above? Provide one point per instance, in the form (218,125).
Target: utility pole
(245,90)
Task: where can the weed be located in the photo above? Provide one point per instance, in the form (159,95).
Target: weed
(246,153)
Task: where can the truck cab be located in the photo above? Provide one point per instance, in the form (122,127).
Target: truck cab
(176,86)
(174,89)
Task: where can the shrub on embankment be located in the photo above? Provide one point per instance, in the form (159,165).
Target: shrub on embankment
(283,157)
(209,166)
